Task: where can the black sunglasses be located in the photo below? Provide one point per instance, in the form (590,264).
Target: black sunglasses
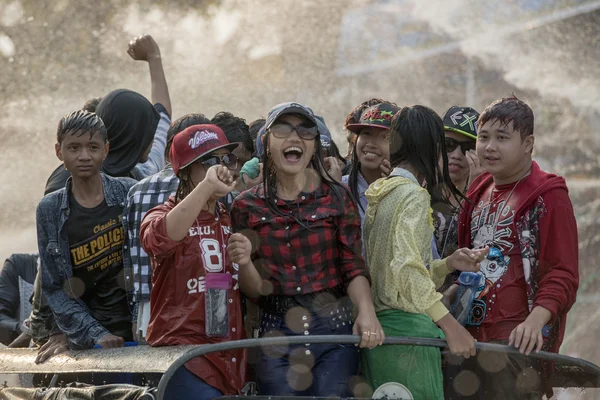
(282,130)
(452,144)
(228,160)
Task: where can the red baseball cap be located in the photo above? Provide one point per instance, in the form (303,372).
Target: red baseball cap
(196,142)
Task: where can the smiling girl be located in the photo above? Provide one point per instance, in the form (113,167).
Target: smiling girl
(371,150)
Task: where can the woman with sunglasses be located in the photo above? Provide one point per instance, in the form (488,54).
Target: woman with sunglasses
(398,230)
(298,245)
(195,297)
(460,130)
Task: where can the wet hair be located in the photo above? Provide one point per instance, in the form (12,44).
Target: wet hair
(235,129)
(507,110)
(91,104)
(180,124)
(417,139)
(354,118)
(318,165)
(81,122)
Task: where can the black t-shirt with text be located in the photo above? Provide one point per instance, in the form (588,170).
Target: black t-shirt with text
(96,239)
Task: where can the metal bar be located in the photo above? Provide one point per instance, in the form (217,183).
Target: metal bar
(346,339)
(125,359)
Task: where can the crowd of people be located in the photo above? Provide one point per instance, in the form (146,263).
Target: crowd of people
(200,231)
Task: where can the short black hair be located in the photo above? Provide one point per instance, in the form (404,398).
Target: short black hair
(181,124)
(235,128)
(334,151)
(254,127)
(507,110)
(81,122)
(92,104)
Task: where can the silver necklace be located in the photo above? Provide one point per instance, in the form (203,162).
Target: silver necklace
(486,233)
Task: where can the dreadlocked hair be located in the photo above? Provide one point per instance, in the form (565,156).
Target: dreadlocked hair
(186,185)
(317,163)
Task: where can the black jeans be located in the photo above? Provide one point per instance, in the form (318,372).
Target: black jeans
(319,370)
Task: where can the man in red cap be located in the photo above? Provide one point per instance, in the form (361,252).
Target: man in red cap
(195,296)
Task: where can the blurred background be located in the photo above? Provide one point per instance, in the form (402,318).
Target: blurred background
(245,56)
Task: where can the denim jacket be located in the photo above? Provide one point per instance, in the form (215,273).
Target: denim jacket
(71,314)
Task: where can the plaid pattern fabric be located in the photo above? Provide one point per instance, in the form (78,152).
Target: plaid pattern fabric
(143,196)
(297,260)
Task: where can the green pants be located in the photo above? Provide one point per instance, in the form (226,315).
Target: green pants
(419,368)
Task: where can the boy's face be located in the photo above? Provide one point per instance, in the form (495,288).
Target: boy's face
(456,145)
(500,149)
(82,155)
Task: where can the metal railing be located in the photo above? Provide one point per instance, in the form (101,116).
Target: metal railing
(349,339)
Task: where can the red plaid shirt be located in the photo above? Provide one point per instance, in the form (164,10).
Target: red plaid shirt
(295,259)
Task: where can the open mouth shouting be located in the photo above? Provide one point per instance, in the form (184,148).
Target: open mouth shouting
(293,154)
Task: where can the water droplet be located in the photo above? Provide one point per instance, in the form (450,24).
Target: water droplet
(11,14)
(7,47)
(491,361)
(466,383)
(275,351)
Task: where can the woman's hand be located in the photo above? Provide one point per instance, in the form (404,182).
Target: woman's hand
(466,260)
(367,325)
(239,249)
(385,168)
(219,181)
(459,340)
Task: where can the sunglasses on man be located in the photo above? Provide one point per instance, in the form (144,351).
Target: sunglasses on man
(452,144)
(282,130)
(228,160)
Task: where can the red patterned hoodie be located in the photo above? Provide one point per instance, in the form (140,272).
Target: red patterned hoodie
(540,226)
